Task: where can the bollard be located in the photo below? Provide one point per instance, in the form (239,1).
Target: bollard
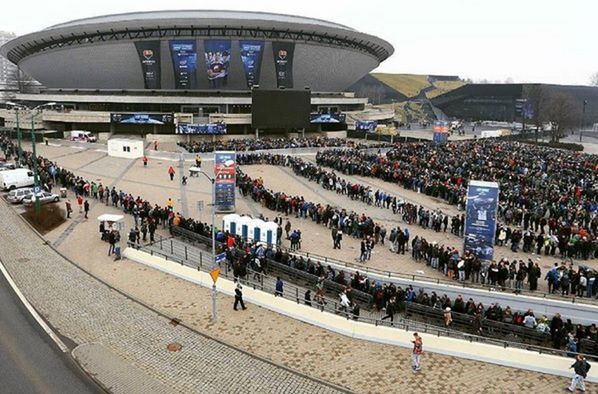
(186,253)
(160,242)
(171,248)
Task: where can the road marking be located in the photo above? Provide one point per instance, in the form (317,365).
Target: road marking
(32,310)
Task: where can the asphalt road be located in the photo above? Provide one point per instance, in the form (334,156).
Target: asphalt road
(29,361)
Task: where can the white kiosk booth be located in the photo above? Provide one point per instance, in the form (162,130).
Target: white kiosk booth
(252,229)
(125,147)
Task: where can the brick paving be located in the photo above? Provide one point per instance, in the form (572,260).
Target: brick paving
(87,311)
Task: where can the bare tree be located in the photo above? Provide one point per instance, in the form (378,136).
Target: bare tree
(537,97)
(563,113)
(594,79)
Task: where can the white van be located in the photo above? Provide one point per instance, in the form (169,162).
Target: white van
(82,135)
(13,179)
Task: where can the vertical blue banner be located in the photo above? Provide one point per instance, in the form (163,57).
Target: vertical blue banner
(217,58)
(480,219)
(251,56)
(225,173)
(184,63)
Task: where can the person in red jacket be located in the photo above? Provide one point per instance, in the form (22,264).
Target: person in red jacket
(416,353)
(171,173)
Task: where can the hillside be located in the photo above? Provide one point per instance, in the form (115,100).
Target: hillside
(420,86)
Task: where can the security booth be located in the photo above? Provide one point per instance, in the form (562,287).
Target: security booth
(125,147)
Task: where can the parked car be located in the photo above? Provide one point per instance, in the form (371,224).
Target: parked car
(16,196)
(44,198)
(4,166)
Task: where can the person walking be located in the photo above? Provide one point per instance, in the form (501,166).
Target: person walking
(80,203)
(279,287)
(86,208)
(581,368)
(416,353)
(198,161)
(69,209)
(239,297)
(171,173)
(145,160)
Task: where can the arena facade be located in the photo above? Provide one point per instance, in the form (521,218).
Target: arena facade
(199,66)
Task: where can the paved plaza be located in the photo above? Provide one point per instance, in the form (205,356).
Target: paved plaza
(87,311)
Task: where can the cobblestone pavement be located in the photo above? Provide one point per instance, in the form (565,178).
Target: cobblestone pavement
(362,366)
(87,311)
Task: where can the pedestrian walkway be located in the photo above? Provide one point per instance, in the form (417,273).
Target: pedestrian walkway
(88,311)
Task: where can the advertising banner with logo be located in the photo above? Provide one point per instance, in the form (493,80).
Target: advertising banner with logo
(217,58)
(251,56)
(367,126)
(184,63)
(149,56)
(283,62)
(141,118)
(225,173)
(441,126)
(480,219)
(206,128)
(327,118)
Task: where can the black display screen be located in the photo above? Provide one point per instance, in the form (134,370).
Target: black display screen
(280,109)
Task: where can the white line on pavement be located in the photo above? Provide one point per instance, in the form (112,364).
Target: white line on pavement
(32,310)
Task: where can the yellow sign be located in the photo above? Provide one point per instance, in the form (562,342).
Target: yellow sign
(214,274)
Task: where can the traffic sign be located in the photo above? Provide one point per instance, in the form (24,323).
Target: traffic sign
(37,189)
(214,274)
(220,258)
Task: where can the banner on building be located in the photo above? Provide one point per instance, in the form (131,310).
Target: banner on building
(367,126)
(205,128)
(141,118)
(251,56)
(149,56)
(480,219)
(184,63)
(327,118)
(225,178)
(217,59)
(441,126)
(283,62)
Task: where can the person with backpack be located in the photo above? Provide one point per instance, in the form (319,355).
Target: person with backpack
(581,368)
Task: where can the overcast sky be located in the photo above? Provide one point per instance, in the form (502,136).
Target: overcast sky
(524,40)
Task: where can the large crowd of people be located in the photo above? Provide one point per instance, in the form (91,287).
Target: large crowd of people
(386,296)
(548,197)
(251,144)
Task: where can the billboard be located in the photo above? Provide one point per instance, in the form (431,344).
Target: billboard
(217,58)
(368,126)
(141,118)
(280,109)
(440,137)
(480,219)
(283,62)
(251,56)
(327,118)
(184,63)
(225,179)
(149,56)
(441,126)
(205,128)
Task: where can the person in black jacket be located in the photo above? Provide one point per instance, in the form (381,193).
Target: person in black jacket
(581,368)
(239,297)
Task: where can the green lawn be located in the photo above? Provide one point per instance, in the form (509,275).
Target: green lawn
(408,84)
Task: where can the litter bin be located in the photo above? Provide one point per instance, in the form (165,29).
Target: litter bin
(63,192)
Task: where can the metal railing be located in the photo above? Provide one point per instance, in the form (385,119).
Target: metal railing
(203,262)
(404,276)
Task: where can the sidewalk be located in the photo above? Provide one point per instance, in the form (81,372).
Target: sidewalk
(87,311)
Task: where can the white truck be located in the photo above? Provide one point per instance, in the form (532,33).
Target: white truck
(82,135)
(14,179)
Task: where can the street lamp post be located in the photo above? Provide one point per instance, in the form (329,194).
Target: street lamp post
(213,182)
(583,118)
(17,108)
(34,160)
